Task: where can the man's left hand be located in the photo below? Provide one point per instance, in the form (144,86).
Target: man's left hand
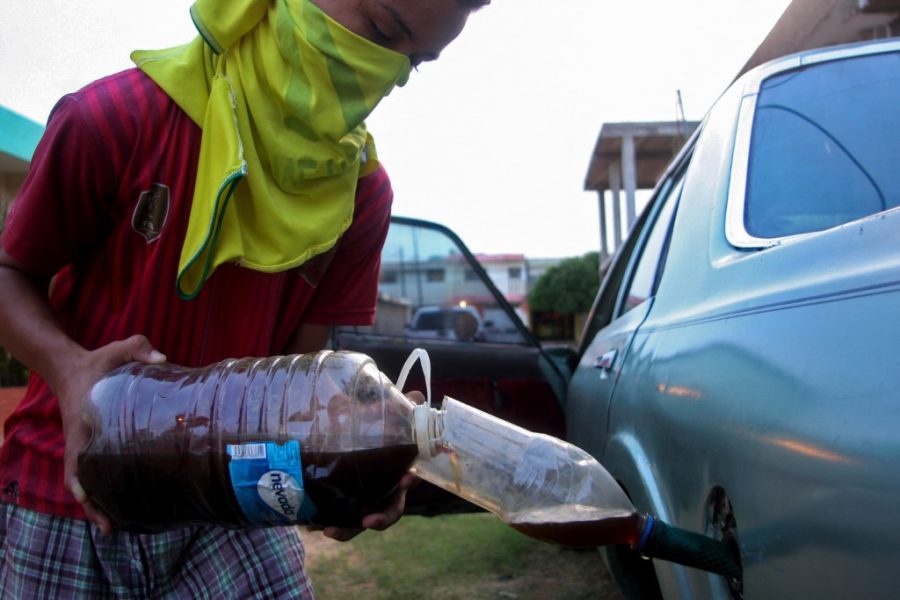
(377,521)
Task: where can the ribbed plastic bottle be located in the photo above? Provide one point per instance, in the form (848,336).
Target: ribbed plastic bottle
(313,438)
(538,484)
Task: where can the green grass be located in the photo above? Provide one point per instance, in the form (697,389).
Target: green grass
(457,556)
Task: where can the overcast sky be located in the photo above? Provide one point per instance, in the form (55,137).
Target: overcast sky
(494,139)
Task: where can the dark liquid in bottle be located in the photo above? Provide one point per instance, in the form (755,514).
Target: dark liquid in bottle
(155,491)
(158,459)
(618,528)
(347,486)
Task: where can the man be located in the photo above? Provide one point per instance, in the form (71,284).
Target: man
(222,200)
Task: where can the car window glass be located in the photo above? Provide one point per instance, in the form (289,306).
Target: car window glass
(429,289)
(643,282)
(604,305)
(820,154)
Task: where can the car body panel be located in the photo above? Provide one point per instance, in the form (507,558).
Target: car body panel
(592,385)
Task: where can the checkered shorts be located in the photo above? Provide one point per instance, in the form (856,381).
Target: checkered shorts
(43,556)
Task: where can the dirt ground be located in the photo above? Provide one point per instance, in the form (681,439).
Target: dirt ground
(318,547)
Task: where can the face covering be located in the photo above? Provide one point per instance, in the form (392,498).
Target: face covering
(281,92)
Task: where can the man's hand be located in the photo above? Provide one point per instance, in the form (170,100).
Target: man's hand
(72,388)
(393,511)
(30,330)
(377,521)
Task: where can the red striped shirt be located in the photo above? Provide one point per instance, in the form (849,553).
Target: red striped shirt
(104,210)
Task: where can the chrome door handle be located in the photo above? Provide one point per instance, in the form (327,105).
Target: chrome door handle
(606,361)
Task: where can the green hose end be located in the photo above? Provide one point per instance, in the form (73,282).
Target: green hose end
(663,541)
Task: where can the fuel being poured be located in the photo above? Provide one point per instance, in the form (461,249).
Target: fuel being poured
(325,439)
(545,487)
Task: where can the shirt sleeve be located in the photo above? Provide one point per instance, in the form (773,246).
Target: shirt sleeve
(59,214)
(348,291)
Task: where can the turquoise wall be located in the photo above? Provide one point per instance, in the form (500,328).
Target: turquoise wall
(18,135)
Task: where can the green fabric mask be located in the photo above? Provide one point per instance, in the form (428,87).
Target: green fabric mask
(281,91)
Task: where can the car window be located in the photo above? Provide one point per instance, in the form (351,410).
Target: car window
(431,289)
(824,147)
(604,309)
(645,277)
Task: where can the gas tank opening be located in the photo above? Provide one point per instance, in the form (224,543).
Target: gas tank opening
(721,524)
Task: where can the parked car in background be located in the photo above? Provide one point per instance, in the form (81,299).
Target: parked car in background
(461,323)
(740,373)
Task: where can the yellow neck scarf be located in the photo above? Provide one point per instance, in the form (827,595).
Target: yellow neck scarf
(281,91)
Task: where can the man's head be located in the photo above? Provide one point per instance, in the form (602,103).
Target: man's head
(420,29)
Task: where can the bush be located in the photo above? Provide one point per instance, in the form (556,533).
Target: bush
(567,288)
(12,372)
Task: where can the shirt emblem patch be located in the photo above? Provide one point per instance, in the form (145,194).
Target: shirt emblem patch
(151,211)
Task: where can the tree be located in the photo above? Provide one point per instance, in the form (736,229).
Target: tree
(569,287)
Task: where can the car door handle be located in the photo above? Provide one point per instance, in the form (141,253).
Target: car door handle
(605,362)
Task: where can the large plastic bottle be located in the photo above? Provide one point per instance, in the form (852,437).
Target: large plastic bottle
(314,438)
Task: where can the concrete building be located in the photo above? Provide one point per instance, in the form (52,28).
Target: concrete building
(18,138)
(537,267)
(628,157)
(509,272)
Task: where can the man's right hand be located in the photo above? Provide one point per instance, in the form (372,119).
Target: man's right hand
(30,331)
(72,389)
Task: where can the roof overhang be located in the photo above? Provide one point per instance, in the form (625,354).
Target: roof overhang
(655,145)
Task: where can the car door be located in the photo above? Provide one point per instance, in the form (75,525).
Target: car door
(433,294)
(621,306)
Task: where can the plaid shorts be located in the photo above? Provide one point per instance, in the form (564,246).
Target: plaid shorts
(44,556)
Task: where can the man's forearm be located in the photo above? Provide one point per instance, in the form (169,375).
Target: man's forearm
(29,329)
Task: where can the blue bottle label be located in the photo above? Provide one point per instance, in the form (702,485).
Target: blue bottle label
(267,479)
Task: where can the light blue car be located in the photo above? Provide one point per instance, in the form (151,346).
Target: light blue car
(740,370)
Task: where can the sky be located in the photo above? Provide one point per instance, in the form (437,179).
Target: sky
(492,140)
